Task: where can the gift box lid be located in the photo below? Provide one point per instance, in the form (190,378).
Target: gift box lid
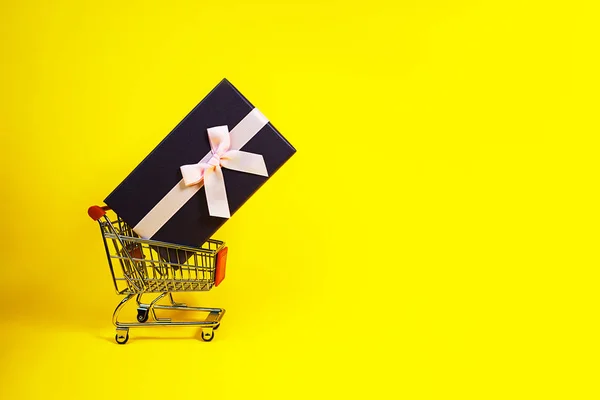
(140,199)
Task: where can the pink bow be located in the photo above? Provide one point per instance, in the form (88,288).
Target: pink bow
(210,171)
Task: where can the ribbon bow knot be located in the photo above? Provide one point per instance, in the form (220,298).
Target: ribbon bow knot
(215,160)
(210,171)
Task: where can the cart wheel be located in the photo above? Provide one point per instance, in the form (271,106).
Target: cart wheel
(216,326)
(208,336)
(142,315)
(122,339)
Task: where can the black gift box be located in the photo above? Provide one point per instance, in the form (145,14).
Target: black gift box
(188,143)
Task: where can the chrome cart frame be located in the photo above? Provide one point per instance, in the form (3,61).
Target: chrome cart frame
(140,266)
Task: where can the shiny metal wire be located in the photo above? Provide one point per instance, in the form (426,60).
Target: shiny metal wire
(137,268)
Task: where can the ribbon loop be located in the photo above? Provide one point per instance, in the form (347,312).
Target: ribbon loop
(219,138)
(245,162)
(212,175)
(192,174)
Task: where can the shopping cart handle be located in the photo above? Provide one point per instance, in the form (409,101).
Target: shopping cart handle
(97,212)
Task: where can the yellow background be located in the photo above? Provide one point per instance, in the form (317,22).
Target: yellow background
(435,236)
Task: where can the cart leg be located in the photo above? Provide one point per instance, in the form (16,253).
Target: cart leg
(122,335)
(173,301)
(154,312)
(118,310)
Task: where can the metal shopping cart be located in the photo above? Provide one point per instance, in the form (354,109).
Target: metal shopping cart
(139,266)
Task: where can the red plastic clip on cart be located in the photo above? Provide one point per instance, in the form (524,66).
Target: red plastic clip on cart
(137,268)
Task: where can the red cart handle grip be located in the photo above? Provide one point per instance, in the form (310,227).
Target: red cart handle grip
(97,212)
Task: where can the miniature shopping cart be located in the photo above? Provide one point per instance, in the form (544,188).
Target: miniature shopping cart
(139,266)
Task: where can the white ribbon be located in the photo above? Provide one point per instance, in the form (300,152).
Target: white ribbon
(245,130)
(211,173)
